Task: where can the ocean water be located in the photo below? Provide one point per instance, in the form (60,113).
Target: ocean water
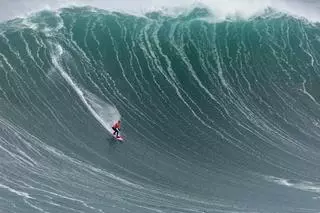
(220,111)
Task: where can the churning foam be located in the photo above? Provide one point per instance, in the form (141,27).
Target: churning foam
(221,9)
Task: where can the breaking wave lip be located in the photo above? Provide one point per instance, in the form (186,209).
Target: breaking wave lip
(219,10)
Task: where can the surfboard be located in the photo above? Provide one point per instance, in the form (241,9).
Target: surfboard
(119,138)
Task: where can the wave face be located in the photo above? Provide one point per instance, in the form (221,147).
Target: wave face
(217,117)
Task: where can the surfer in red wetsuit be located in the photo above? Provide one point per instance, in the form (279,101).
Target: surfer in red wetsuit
(116,128)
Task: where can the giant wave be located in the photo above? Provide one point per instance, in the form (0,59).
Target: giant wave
(218,116)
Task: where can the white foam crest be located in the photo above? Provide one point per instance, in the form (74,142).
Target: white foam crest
(222,9)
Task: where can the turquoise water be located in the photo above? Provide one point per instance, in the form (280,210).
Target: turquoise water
(216,116)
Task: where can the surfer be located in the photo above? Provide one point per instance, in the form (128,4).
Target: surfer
(116,128)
